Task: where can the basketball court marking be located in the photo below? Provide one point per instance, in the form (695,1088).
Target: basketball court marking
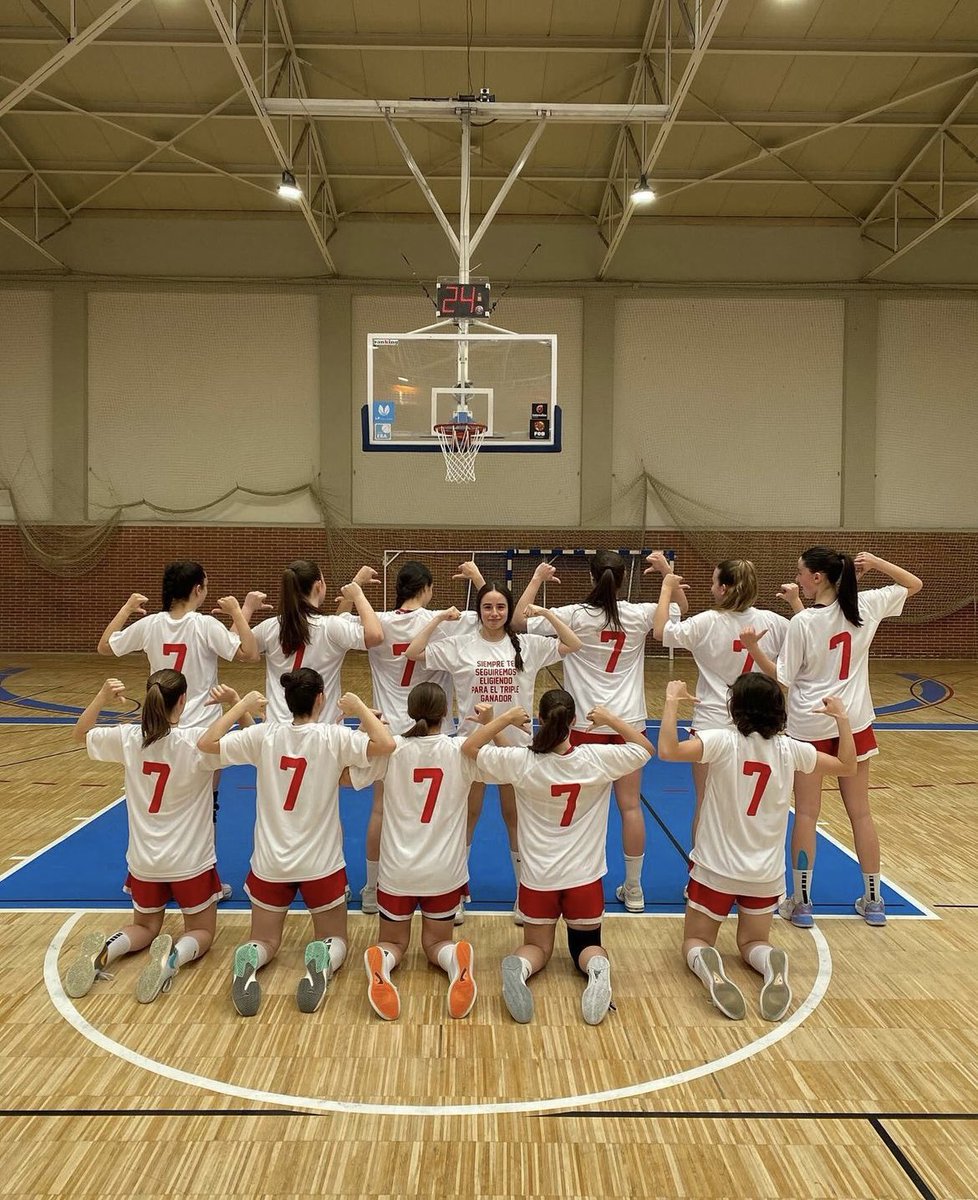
(73,1017)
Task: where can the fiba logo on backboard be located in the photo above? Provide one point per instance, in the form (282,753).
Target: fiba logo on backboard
(383,420)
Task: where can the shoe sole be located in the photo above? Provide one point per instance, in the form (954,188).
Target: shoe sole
(245,988)
(634,906)
(312,986)
(516,995)
(462,992)
(381,993)
(776,995)
(154,976)
(596,1000)
(80,976)
(724,993)
(876,919)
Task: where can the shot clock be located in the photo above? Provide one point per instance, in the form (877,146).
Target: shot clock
(463,301)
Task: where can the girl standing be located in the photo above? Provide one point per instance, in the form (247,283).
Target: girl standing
(826,652)
(423,862)
(171,834)
(562,797)
(298,840)
(610,671)
(738,851)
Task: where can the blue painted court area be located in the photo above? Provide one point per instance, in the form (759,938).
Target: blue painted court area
(87,867)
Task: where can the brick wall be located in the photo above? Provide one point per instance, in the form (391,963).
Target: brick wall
(42,612)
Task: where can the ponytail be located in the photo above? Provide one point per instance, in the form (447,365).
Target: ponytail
(163,690)
(428,705)
(507,595)
(840,571)
(412,579)
(738,576)
(179,580)
(557,713)
(298,580)
(608,574)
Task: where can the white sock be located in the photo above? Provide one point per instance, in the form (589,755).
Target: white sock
(871,886)
(633,870)
(263,955)
(372,868)
(526,967)
(759,957)
(337,951)
(186,950)
(447,960)
(117,945)
(514,858)
(802,886)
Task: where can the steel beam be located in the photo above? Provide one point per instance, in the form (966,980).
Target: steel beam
(34,245)
(271,133)
(705,27)
(451,110)
(898,253)
(67,52)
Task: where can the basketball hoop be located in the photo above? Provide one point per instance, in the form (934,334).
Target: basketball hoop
(460,442)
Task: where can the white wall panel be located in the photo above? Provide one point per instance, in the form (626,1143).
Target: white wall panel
(927,413)
(26,394)
(511,489)
(193,394)
(734,403)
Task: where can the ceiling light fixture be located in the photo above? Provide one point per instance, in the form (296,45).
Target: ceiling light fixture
(288,189)
(642,193)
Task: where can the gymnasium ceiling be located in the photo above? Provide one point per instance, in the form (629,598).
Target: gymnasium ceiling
(794,110)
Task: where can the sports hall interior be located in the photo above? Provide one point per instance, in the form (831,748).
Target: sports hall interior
(778,350)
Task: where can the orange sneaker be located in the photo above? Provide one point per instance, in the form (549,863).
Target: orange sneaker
(381,993)
(462,990)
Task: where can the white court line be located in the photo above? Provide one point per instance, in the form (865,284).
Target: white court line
(320,1104)
(925,914)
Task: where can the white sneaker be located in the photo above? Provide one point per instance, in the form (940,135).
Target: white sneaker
(516,995)
(517,915)
(157,976)
(319,971)
(596,999)
(87,966)
(460,912)
(775,994)
(368,901)
(632,896)
(724,993)
(227,891)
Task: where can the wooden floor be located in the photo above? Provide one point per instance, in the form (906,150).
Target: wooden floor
(873,1092)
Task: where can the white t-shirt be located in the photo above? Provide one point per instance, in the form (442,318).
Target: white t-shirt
(426,791)
(562,807)
(297,821)
(609,668)
(713,638)
(740,834)
(329,639)
(823,655)
(169,800)
(484,672)
(191,644)
(393,674)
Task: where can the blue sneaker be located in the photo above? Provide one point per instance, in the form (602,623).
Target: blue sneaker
(873,912)
(800,915)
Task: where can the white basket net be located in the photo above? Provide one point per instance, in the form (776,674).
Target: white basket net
(460,443)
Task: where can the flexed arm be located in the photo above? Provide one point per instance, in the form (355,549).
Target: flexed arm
(570,643)
(416,649)
(672,589)
(544,573)
(133,605)
(110,691)
(658,562)
(865,562)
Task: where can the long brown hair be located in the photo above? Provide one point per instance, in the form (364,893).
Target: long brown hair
(738,576)
(427,705)
(163,690)
(840,571)
(557,713)
(608,573)
(507,595)
(298,580)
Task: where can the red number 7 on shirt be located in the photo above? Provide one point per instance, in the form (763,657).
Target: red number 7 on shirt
(180,650)
(763,773)
(618,637)
(433,776)
(571,791)
(398,649)
(162,773)
(299,766)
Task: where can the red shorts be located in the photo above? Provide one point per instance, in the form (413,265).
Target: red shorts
(436,908)
(584,904)
(718,904)
(584,737)
(193,895)
(318,894)
(865,741)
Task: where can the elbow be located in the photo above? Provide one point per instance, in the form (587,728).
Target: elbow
(916,586)
(104,647)
(373,639)
(78,736)
(207,746)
